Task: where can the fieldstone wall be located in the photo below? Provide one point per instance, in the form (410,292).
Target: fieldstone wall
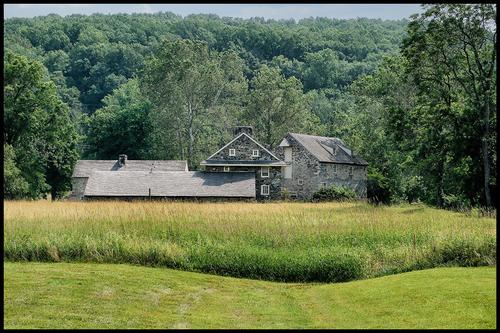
(274,179)
(308,174)
(339,176)
(78,185)
(243,147)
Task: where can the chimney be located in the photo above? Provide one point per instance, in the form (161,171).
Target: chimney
(245,129)
(122,159)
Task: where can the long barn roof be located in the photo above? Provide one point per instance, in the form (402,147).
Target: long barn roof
(171,184)
(84,168)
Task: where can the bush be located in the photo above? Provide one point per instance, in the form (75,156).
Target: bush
(378,188)
(329,193)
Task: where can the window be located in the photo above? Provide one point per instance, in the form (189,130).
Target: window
(255,153)
(350,170)
(264,189)
(335,168)
(226,169)
(264,172)
(300,182)
(232,152)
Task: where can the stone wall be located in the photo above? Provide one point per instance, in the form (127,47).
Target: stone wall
(243,147)
(308,174)
(339,176)
(274,179)
(78,185)
(305,168)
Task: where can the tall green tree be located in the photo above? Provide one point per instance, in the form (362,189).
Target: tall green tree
(278,105)
(454,47)
(190,87)
(38,127)
(122,126)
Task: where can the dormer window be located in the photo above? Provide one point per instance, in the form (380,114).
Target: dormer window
(232,152)
(255,153)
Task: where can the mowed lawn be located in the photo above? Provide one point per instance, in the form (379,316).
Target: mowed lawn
(83,295)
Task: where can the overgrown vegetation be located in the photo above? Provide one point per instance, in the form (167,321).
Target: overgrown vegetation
(283,242)
(333,193)
(416,99)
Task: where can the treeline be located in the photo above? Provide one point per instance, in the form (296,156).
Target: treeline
(415,99)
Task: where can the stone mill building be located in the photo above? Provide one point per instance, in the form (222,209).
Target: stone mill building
(243,169)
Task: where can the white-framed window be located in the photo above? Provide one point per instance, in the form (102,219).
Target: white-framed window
(226,169)
(351,170)
(300,182)
(255,153)
(264,190)
(264,172)
(335,168)
(232,152)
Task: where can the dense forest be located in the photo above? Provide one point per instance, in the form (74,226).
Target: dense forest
(415,98)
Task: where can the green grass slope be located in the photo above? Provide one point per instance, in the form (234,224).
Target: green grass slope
(69,295)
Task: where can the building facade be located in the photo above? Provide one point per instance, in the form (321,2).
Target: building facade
(242,169)
(245,154)
(314,161)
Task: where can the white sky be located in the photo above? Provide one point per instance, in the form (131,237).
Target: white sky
(268,11)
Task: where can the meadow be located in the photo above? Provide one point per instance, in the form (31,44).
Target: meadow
(288,242)
(74,295)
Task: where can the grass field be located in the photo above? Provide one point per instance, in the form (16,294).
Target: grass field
(293,242)
(62,295)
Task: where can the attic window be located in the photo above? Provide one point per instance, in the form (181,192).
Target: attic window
(232,152)
(255,153)
(226,169)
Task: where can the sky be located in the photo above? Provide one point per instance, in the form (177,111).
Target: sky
(267,11)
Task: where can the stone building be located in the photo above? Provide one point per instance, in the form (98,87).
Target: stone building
(316,161)
(242,169)
(245,154)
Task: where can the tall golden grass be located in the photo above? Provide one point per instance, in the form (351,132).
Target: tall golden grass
(274,241)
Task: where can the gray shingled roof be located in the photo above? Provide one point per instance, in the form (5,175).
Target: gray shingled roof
(171,184)
(84,168)
(330,150)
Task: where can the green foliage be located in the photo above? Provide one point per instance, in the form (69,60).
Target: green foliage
(276,106)
(38,129)
(122,126)
(333,193)
(378,187)
(14,185)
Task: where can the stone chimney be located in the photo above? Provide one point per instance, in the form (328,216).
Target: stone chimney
(122,159)
(245,129)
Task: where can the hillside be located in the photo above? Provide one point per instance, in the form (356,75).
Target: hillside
(122,296)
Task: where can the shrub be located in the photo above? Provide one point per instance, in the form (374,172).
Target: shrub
(378,188)
(329,193)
